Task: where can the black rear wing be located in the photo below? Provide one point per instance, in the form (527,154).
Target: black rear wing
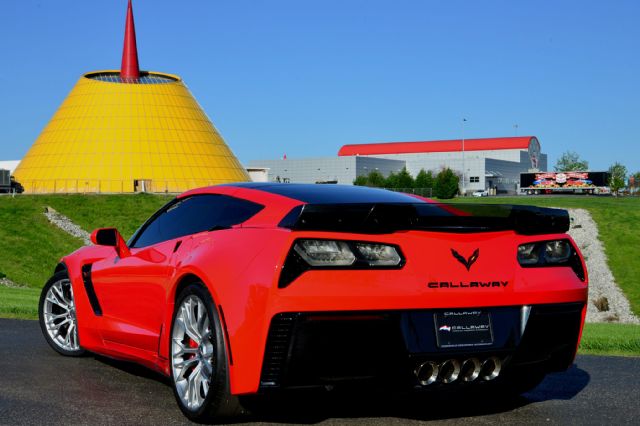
(382,218)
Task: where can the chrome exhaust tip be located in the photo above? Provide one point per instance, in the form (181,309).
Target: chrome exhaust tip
(490,368)
(427,373)
(449,370)
(470,369)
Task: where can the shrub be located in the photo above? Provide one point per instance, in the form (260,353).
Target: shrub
(424,179)
(446,184)
(361,180)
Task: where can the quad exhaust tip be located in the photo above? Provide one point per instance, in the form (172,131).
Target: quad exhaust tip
(427,373)
(490,368)
(470,369)
(450,370)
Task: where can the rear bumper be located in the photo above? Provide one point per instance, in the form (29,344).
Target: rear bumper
(431,279)
(318,349)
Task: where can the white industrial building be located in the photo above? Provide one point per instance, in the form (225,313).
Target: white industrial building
(485,163)
(10,165)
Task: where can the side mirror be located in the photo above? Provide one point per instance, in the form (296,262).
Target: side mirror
(112,238)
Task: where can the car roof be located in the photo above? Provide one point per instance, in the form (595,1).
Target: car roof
(330,193)
(280,199)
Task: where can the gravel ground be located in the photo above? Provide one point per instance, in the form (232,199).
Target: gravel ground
(583,230)
(601,282)
(8,283)
(64,223)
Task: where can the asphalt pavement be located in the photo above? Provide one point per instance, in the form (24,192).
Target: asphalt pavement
(38,386)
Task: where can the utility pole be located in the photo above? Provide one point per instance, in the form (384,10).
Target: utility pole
(464,169)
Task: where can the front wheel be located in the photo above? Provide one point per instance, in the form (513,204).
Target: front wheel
(57,315)
(199,369)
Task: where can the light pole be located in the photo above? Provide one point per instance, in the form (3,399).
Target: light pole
(515,126)
(464,191)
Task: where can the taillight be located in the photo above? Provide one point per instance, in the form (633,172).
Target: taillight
(338,254)
(550,253)
(325,252)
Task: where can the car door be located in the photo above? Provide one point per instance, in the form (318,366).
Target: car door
(132,291)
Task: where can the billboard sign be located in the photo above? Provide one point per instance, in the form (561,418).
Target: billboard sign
(566,180)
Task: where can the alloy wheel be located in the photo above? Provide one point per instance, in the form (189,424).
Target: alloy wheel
(60,316)
(192,352)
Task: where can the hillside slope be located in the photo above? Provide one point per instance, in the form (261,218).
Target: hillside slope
(30,247)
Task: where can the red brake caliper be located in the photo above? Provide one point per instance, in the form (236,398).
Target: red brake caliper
(191,344)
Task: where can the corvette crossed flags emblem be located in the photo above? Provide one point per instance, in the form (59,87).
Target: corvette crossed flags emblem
(466,262)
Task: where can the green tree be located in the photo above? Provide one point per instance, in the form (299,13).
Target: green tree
(569,162)
(446,184)
(391,181)
(376,179)
(617,177)
(424,179)
(404,179)
(361,180)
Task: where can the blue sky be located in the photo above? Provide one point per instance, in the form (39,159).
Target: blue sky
(305,77)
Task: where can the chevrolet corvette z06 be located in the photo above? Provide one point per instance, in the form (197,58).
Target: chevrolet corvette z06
(250,288)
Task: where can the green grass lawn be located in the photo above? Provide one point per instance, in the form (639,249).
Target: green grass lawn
(30,247)
(618,222)
(21,303)
(611,339)
(125,212)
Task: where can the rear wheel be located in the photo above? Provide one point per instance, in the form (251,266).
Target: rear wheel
(57,315)
(199,369)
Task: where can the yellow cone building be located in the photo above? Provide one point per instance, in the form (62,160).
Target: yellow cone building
(128,131)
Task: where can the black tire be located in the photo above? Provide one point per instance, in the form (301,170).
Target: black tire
(218,403)
(60,278)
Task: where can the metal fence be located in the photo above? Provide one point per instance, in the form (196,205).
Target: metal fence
(88,186)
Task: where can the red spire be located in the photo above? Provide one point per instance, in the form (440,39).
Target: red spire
(129,69)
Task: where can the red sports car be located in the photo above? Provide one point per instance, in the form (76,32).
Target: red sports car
(247,288)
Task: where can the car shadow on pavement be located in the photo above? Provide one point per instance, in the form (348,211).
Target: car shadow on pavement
(133,369)
(562,386)
(314,406)
(369,405)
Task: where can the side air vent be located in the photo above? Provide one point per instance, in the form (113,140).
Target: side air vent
(91,293)
(277,349)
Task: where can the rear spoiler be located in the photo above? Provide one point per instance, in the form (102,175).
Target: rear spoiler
(382,218)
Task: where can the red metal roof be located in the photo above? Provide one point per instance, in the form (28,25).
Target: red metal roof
(518,142)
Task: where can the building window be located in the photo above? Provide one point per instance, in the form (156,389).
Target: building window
(474,179)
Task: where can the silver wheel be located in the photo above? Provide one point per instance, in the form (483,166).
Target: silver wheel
(192,352)
(59,313)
